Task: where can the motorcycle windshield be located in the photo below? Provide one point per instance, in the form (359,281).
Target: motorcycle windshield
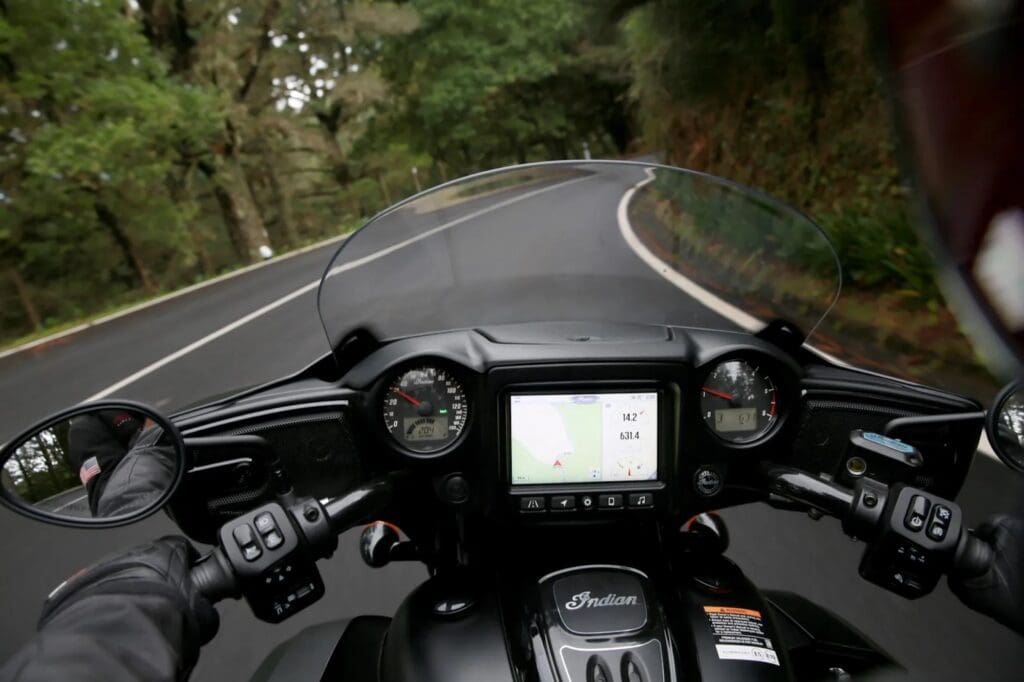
(581,241)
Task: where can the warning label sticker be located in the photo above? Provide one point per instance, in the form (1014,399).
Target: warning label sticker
(739,635)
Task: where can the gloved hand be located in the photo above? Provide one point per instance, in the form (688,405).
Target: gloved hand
(132,616)
(999,592)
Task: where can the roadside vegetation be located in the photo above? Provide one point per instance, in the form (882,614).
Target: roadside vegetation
(149,144)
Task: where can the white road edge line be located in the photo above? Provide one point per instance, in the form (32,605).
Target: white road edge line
(199,343)
(68,504)
(688,286)
(182,352)
(174,294)
(711,301)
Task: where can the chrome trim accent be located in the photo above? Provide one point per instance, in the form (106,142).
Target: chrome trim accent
(275,411)
(661,658)
(217,465)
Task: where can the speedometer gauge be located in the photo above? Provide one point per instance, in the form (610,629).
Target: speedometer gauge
(425,409)
(738,402)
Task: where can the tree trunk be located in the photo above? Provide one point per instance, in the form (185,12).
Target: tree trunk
(618,128)
(199,248)
(384,188)
(6,480)
(285,215)
(53,466)
(259,50)
(330,122)
(165,25)
(124,242)
(29,486)
(336,158)
(237,206)
(26,298)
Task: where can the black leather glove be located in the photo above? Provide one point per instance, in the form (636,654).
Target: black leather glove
(998,592)
(133,616)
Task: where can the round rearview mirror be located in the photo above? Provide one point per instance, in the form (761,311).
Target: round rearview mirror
(99,465)
(1005,426)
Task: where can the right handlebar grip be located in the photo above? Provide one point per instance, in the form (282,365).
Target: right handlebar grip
(973,557)
(213,577)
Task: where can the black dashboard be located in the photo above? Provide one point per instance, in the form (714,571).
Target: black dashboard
(552,423)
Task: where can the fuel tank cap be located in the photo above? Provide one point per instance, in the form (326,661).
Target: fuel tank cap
(600,601)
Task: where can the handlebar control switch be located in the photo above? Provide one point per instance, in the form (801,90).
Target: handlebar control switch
(271,561)
(915,544)
(864,517)
(917,513)
(310,517)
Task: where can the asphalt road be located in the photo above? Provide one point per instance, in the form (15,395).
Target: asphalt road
(935,637)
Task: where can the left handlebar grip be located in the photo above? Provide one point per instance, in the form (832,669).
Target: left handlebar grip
(213,577)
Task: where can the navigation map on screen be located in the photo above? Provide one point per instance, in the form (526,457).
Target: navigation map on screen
(584,438)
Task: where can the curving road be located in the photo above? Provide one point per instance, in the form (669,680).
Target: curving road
(936,638)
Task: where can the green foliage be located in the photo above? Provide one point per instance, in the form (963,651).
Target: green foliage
(99,131)
(486,83)
(146,145)
(781,95)
(147,141)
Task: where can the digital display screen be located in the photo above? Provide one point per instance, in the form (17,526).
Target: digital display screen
(736,419)
(583,437)
(425,428)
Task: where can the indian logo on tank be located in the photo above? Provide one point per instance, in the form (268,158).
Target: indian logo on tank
(583,600)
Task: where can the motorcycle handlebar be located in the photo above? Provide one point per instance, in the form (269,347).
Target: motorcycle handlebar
(215,579)
(973,556)
(801,487)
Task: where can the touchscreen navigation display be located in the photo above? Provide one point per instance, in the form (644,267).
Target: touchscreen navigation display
(584,437)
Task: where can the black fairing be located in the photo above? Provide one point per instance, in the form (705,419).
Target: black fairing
(338,650)
(817,640)
(465,647)
(509,548)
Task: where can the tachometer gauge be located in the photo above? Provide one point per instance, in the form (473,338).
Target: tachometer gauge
(738,402)
(425,409)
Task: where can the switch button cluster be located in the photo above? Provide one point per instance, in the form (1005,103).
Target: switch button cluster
(585,503)
(249,542)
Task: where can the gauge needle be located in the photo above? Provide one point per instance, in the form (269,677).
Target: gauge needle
(405,396)
(719,394)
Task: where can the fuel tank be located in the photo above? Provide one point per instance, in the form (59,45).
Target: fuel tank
(588,623)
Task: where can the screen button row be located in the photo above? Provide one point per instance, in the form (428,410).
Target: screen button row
(538,503)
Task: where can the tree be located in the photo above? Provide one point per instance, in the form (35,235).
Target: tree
(491,82)
(96,129)
(280,68)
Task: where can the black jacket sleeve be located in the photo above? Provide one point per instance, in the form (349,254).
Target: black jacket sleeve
(133,617)
(107,637)
(140,478)
(999,591)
